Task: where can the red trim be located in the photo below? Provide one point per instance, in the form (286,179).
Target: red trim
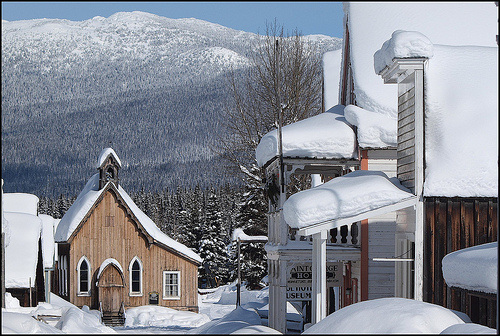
(364,240)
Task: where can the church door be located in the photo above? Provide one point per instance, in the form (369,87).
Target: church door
(111,289)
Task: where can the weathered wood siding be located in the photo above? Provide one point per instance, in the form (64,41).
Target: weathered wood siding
(110,232)
(406,135)
(453,224)
(381,234)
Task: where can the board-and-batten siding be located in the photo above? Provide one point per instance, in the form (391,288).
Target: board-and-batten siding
(117,237)
(406,135)
(381,231)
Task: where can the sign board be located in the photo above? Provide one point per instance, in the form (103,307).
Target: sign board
(153,298)
(299,280)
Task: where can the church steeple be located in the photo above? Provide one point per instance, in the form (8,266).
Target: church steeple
(108,165)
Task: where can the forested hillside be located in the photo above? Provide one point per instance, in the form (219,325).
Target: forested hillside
(152,87)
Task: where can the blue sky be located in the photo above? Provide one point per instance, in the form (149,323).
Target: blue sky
(323,17)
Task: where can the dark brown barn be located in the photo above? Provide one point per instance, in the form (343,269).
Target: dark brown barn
(112,256)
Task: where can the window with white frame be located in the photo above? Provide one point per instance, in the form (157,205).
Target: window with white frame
(135,271)
(171,285)
(83,269)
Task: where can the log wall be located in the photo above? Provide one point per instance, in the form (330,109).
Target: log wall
(453,224)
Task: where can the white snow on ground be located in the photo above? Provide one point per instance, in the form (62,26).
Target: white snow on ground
(219,315)
(342,197)
(468,328)
(461,104)
(402,44)
(326,135)
(387,316)
(473,268)
(158,316)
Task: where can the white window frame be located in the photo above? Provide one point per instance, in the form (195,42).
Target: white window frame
(78,270)
(178,297)
(131,293)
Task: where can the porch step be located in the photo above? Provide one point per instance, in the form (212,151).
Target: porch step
(113,319)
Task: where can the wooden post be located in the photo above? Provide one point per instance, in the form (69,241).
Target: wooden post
(319,276)
(238,285)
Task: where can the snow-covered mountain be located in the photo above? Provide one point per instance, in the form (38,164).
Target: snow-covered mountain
(153,86)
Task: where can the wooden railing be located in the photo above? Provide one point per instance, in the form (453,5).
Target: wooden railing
(342,236)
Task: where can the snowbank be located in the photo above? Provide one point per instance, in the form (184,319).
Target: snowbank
(239,318)
(402,44)
(461,123)
(468,328)
(375,130)
(75,320)
(326,135)
(473,268)
(371,23)
(342,197)
(387,316)
(157,316)
(18,323)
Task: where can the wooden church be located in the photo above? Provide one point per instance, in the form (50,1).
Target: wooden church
(112,256)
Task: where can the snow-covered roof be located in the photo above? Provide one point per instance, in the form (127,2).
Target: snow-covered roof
(21,255)
(461,122)
(326,135)
(375,130)
(48,243)
(87,198)
(372,23)
(343,197)
(473,268)
(332,61)
(402,44)
(242,236)
(107,262)
(20,202)
(104,154)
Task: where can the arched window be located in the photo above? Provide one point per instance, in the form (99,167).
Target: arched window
(135,270)
(83,276)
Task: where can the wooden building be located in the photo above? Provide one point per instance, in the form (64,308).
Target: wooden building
(112,256)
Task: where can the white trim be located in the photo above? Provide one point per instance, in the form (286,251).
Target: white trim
(335,223)
(89,280)
(178,285)
(141,270)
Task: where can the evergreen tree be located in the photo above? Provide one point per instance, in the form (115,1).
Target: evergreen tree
(251,217)
(214,269)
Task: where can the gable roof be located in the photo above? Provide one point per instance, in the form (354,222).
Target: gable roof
(91,196)
(104,155)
